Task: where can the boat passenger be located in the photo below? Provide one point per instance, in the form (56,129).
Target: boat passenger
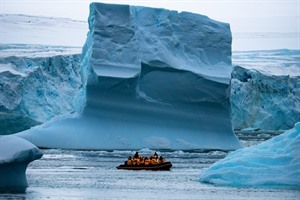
(136,155)
(155,155)
(153,160)
(147,161)
(136,158)
(161,159)
(142,161)
(129,161)
(134,162)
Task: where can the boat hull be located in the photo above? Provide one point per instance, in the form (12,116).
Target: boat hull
(156,167)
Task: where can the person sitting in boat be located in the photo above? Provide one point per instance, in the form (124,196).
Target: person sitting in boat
(147,161)
(136,155)
(161,159)
(136,159)
(155,155)
(153,160)
(141,161)
(129,161)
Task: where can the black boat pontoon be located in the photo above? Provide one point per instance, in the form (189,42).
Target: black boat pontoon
(159,166)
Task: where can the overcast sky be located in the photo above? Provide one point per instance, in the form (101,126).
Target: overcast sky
(243,15)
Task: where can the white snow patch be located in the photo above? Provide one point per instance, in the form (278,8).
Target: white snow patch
(10,68)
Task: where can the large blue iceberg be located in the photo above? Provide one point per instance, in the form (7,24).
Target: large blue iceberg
(154,78)
(274,163)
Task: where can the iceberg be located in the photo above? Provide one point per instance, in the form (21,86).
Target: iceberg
(263,101)
(274,163)
(15,155)
(38,83)
(154,78)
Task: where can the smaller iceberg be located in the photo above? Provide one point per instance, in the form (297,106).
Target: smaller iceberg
(15,155)
(274,163)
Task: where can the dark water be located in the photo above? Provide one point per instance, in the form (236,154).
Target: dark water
(65,174)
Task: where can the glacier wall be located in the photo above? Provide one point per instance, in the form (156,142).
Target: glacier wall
(38,83)
(264,101)
(155,79)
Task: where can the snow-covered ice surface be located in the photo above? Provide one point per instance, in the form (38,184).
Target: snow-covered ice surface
(15,154)
(155,85)
(26,29)
(273,163)
(253,41)
(36,51)
(65,174)
(277,62)
(38,83)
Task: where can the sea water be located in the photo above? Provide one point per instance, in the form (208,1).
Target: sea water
(68,174)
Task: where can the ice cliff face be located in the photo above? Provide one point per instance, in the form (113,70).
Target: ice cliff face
(155,79)
(124,36)
(264,101)
(38,83)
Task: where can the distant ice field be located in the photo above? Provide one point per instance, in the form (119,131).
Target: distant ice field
(272,62)
(247,41)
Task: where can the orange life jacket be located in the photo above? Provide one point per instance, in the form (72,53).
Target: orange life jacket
(129,162)
(147,162)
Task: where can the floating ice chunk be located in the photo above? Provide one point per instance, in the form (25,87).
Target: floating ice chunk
(274,163)
(15,154)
